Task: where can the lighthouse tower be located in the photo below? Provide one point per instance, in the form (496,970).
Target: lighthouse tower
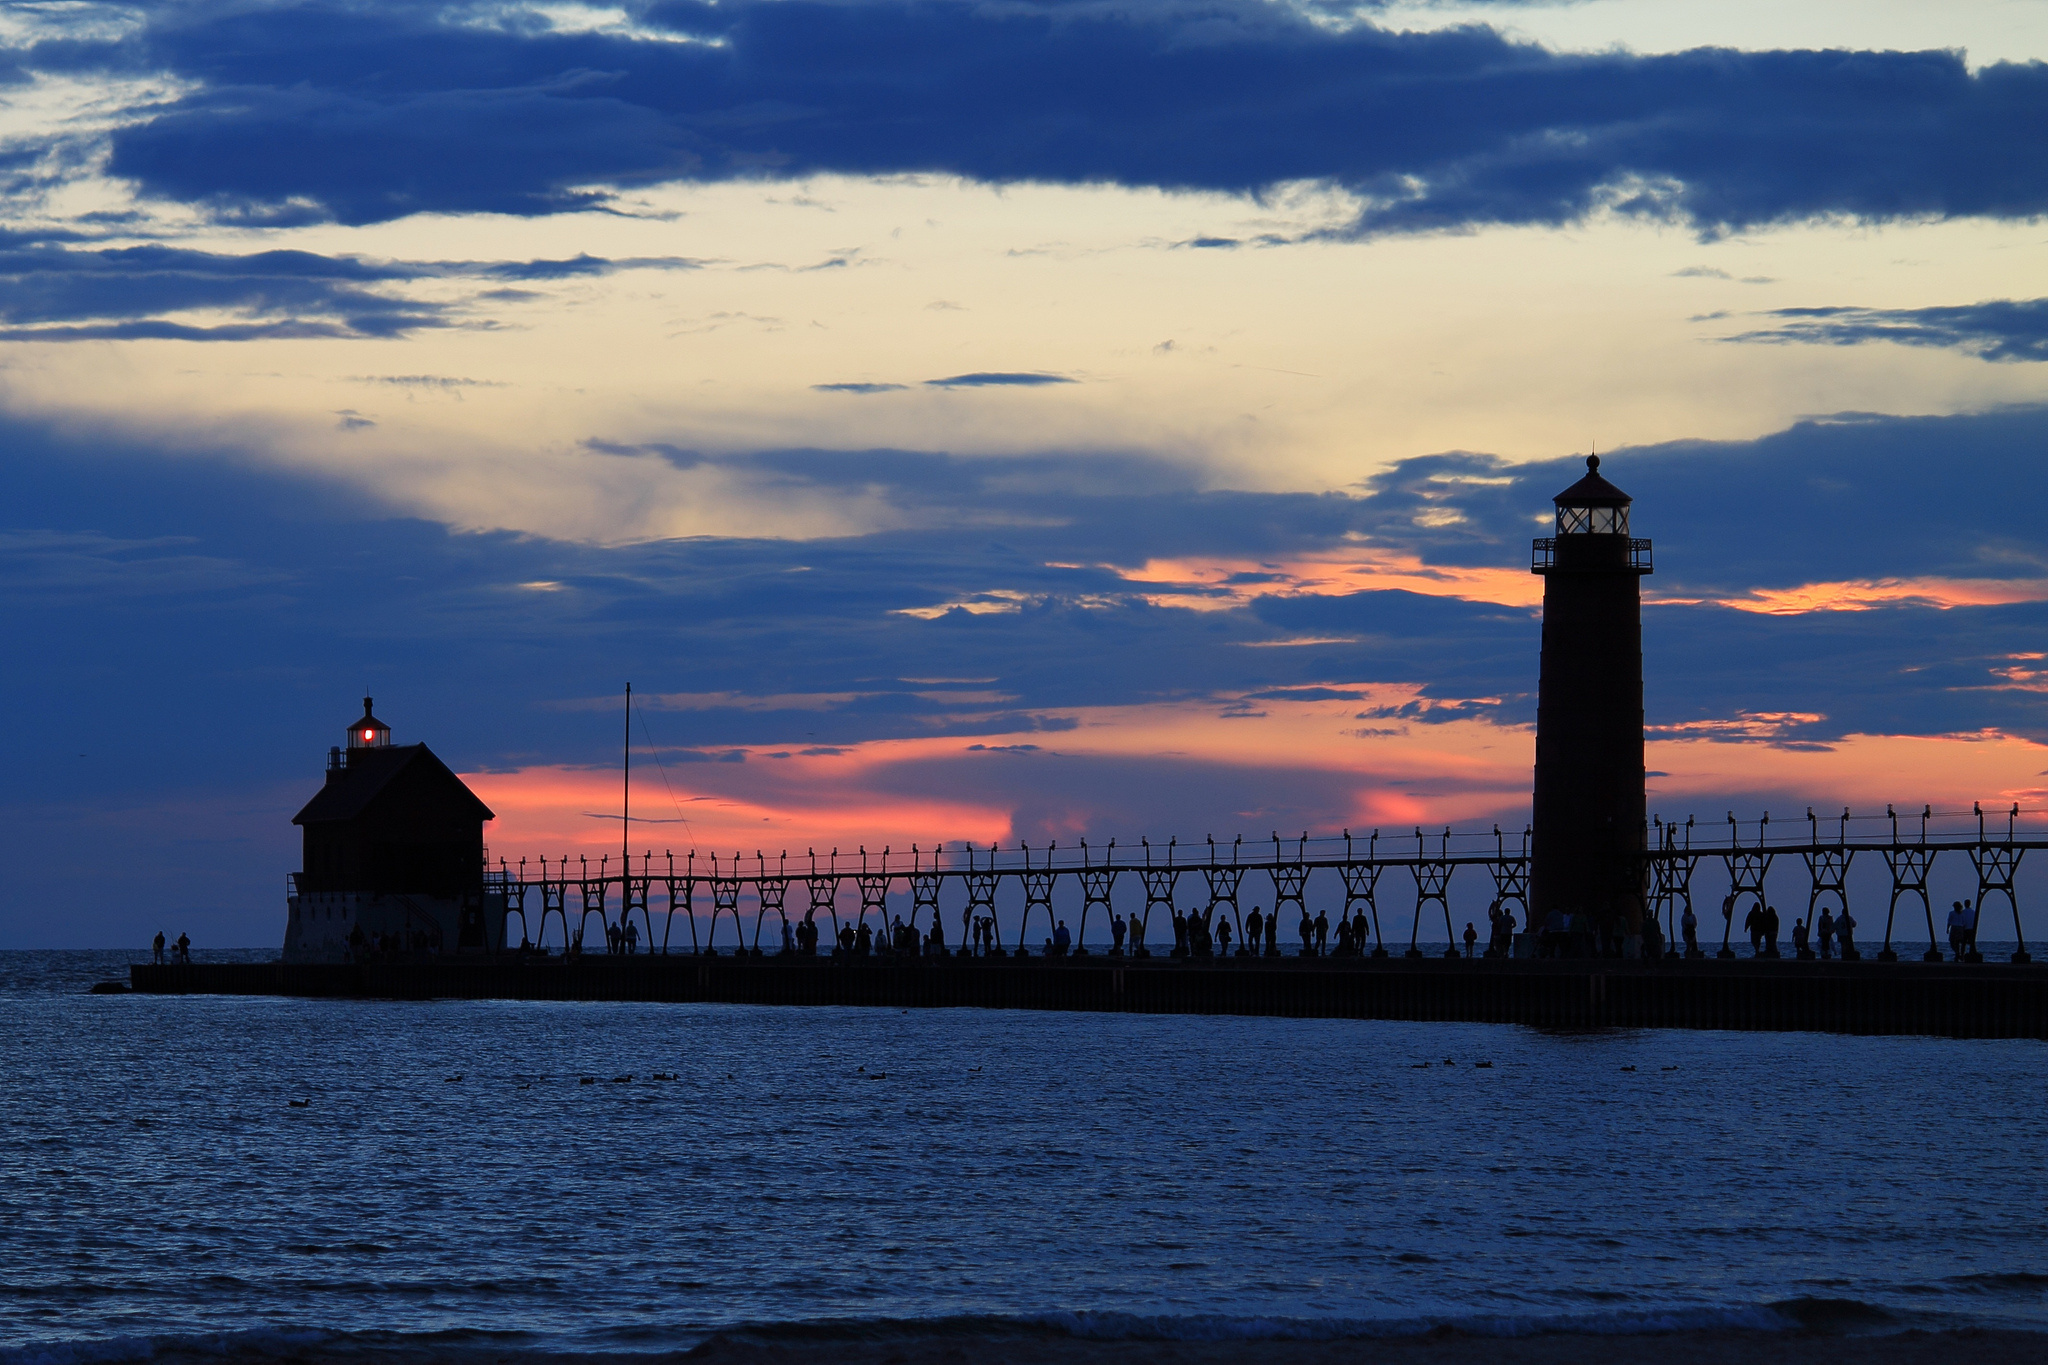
(1589,806)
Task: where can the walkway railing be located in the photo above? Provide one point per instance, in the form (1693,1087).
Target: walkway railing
(1207,878)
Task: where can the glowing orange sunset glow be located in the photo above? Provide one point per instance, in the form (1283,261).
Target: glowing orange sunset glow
(1399,771)
(1863,594)
(1226,583)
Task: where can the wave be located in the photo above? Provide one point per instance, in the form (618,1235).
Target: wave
(298,1344)
(2017,1282)
(476,1347)
(1793,1314)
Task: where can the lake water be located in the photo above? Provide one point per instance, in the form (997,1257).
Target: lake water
(528,1176)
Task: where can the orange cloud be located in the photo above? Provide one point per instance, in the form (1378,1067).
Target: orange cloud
(1217,584)
(1863,772)
(1861,594)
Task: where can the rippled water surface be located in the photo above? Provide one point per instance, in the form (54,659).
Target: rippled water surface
(625,1177)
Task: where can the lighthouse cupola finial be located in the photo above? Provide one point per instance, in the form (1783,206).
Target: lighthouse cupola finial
(369,732)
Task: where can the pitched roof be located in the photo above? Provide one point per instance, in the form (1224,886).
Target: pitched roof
(368,774)
(1592,491)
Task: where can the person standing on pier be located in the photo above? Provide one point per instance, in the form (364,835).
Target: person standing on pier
(935,942)
(185,946)
(1272,932)
(1254,930)
(157,949)
(1116,933)
(1770,927)
(1845,933)
(1825,931)
(1955,929)
(1322,932)
(1223,938)
(1689,925)
(1800,949)
(1472,935)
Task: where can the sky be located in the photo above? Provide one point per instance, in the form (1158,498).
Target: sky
(998,421)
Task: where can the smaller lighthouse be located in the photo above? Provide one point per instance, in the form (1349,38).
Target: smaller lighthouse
(1589,806)
(394,857)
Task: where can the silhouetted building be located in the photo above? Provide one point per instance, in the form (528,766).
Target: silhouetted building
(1589,806)
(394,852)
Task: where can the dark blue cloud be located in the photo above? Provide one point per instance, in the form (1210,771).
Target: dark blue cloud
(858,388)
(984,379)
(200,629)
(1997,329)
(1845,497)
(365,113)
(61,292)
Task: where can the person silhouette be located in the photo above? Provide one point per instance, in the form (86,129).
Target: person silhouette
(157,948)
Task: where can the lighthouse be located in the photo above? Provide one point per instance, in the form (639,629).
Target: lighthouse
(1589,806)
(394,857)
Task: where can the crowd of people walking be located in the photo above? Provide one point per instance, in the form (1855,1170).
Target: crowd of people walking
(1215,932)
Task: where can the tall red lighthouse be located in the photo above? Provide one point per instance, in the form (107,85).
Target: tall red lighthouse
(1589,806)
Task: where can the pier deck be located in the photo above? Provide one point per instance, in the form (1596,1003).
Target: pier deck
(1941,999)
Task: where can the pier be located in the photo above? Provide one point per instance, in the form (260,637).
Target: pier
(1949,1000)
(713,932)
(1591,914)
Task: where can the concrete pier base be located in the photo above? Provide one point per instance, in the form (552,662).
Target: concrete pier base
(1948,1000)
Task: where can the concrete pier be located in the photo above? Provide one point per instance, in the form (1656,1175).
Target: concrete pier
(1941,999)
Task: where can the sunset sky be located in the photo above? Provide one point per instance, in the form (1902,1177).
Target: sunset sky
(997,420)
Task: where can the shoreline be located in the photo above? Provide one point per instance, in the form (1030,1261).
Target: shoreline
(1795,1332)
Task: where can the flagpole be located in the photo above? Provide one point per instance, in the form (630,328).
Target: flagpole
(626,798)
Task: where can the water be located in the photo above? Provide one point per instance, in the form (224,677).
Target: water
(452,1176)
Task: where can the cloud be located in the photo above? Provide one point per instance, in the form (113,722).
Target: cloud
(241,584)
(428,382)
(857,388)
(291,113)
(59,292)
(983,379)
(1997,329)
